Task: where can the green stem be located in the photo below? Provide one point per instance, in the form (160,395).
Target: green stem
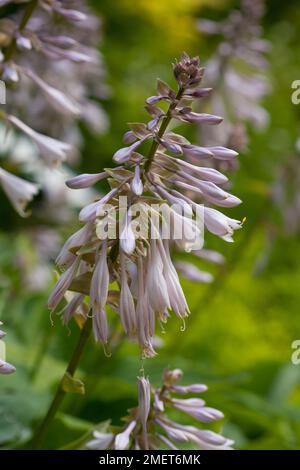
(60,393)
(27,14)
(41,351)
(165,122)
(10,51)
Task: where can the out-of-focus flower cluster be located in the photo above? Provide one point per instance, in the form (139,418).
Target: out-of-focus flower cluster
(285,194)
(5,367)
(284,211)
(237,72)
(54,76)
(148,427)
(148,284)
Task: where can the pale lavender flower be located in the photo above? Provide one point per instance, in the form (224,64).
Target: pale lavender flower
(167,442)
(176,296)
(10,73)
(285,202)
(219,224)
(195,407)
(100,281)
(175,199)
(144,398)
(239,94)
(61,102)
(144,315)
(63,284)
(6,368)
(23,43)
(191,272)
(148,285)
(122,440)
(101,441)
(125,153)
(136,184)
(155,283)
(100,325)
(52,151)
(73,42)
(210,255)
(127,238)
(127,307)
(89,212)
(209,174)
(59,40)
(285,194)
(85,180)
(148,426)
(201,118)
(184,389)
(204,439)
(19,191)
(65,257)
(209,440)
(73,15)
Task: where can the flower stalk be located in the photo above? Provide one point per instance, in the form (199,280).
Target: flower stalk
(60,392)
(163,127)
(148,426)
(149,286)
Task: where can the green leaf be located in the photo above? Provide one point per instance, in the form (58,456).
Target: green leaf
(284,383)
(72,385)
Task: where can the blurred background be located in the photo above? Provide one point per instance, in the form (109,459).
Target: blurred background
(238,338)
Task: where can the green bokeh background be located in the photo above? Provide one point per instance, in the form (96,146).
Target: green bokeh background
(238,338)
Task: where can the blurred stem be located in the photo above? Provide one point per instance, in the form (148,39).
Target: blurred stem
(31,6)
(27,14)
(60,392)
(41,351)
(165,122)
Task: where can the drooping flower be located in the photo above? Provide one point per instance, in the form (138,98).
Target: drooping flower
(239,94)
(148,426)
(6,368)
(61,102)
(86,180)
(127,307)
(191,272)
(52,151)
(144,232)
(122,440)
(63,284)
(144,399)
(19,191)
(45,45)
(101,441)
